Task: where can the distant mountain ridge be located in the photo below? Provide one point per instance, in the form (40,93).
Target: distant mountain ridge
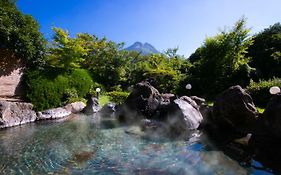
(144,49)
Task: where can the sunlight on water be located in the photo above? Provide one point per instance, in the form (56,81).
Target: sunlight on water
(90,145)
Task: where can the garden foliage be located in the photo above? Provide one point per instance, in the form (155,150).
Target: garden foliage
(69,68)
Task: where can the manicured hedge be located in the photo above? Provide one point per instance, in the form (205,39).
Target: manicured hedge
(48,91)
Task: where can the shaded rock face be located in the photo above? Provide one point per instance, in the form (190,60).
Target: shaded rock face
(108,110)
(11,71)
(15,113)
(272,117)
(92,106)
(144,99)
(268,129)
(266,140)
(234,110)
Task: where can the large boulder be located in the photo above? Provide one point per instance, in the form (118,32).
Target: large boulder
(272,117)
(144,99)
(180,116)
(92,106)
(190,115)
(177,115)
(235,111)
(268,128)
(108,110)
(16,113)
(266,140)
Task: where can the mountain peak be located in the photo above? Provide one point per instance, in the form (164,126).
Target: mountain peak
(144,49)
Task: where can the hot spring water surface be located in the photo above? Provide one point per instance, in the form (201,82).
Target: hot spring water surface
(89,145)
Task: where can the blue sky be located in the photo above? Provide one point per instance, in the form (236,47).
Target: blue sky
(163,23)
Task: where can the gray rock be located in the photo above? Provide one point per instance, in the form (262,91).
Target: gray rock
(143,102)
(234,110)
(55,113)
(199,101)
(191,116)
(272,117)
(15,113)
(190,101)
(144,99)
(108,110)
(75,107)
(177,115)
(168,97)
(180,116)
(92,106)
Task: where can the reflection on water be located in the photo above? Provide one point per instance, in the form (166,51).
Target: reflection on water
(91,145)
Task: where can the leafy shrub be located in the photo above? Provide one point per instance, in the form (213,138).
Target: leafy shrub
(103,100)
(80,80)
(118,96)
(260,91)
(70,96)
(47,92)
(44,93)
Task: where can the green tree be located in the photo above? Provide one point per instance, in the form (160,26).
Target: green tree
(106,61)
(221,61)
(69,52)
(165,71)
(266,52)
(20,34)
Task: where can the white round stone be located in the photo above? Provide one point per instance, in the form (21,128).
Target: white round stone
(188,86)
(274,90)
(98,90)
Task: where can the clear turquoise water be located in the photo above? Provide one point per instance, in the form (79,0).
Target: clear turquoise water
(89,145)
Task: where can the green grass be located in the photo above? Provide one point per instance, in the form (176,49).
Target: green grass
(260,110)
(103,100)
(210,103)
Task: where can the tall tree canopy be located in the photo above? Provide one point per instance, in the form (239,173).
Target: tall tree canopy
(67,52)
(20,34)
(266,52)
(221,61)
(104,59)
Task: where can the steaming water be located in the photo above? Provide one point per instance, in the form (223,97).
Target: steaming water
(89,145)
